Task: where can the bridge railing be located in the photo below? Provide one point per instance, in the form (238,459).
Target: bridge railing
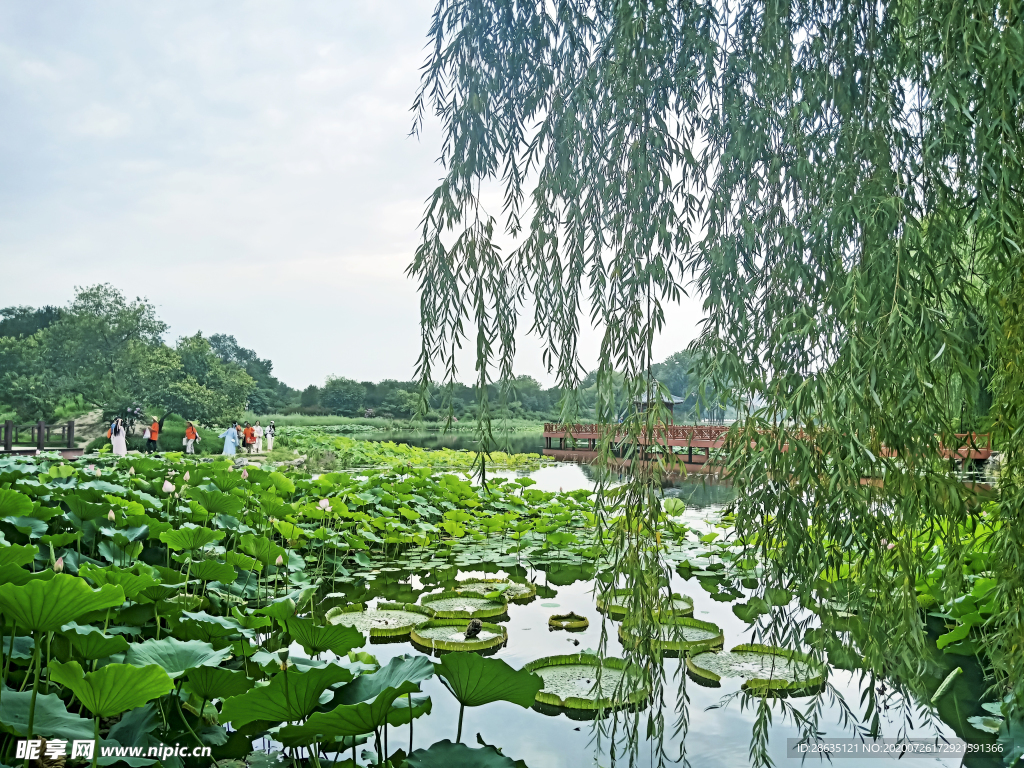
(40,434)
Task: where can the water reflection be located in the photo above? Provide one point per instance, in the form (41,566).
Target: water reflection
(687,719)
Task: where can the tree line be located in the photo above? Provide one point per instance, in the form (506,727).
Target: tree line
(104,351)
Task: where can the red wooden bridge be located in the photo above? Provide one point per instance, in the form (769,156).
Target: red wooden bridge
(578,442)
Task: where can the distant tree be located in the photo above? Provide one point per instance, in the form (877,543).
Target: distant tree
(269,394)
(342,396)
(310,397)
(24,321)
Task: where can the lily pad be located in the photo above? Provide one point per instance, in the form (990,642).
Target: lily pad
(615,603)
(445,754)
(450,635)
(510,590)
(764,668)
(675,634)
(387,620)
(570,621)
(572,682)
(462,605)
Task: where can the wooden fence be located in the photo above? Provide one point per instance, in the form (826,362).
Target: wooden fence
(40,435)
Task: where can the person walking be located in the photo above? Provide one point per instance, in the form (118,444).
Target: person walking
(118,437)
(191,436)
(230,436)
(269,432)
(250,438)
(152,435)
(257,431)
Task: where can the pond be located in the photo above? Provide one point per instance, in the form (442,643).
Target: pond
(718,721)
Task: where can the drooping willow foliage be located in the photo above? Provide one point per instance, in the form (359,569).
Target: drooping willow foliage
(842,183)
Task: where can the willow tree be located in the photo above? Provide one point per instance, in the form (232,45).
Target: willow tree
(842,184)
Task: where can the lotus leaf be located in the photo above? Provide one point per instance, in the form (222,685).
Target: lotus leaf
(175,656)
(474,681)
(397,672)
(45,606)
(131,581)
(445,754)
(345,720)
(261,548)
(216,503)
(211,570)
(114,688)
(190,537)
(407,708)
(17,554)
(217,683)
(91,643)
(316,639)
(290,696)
(14,504)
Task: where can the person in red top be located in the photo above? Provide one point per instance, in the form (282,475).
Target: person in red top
(152,435)
(190,437)
(250,437)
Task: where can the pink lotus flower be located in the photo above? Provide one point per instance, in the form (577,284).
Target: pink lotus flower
(325,504)
(111,516)
(58,565)
(245,475)
(168,486)
(279,562)
(891,545)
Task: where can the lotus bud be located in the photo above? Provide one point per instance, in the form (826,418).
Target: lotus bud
(168,486)
(111,516)
(884,542)
(325,504)
(58,565)
(891,545)
(131,470)
(185,478)
(279,562)
(245,474)
(98,473)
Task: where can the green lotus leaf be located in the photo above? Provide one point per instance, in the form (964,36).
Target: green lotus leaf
(130,580)
(404,709)
(216,503)
(120,552)
(217,683)
(17,554)
(344,720)
(279,609)
(190,537)
(290,696)
(249,620)
(175,656)
(211,570)
(18,576)
(58,540)
(289,530)
(202,626)
(85,510)
(91,643)
(46,606)
(475,680)
(28,525)
(246,563)
(283,485)
(314,639)
(400,670)
(52,718)
(445,754)
(14,504)
(261,548)
(112,689)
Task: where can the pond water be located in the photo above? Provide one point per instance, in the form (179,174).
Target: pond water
(717,722)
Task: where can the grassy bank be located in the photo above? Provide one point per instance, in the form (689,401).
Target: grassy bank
(361,424)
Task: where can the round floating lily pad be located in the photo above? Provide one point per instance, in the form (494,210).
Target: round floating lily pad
(572,682)
(387,620)
(463,605)
(570,621)
(450,635)
(675,633)
(764,668)
(549,605)
(509,590)
(614,603)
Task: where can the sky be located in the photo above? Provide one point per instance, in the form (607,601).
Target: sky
(247,167)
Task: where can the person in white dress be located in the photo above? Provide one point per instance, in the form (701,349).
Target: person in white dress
(257,432)
(269,432)
(118,438)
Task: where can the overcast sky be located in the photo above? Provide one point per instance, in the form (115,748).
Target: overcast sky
(245,166)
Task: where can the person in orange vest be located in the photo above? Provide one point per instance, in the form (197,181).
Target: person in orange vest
(191,436)
(152,435)
(250,438)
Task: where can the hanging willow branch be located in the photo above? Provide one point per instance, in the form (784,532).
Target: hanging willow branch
(843,182)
